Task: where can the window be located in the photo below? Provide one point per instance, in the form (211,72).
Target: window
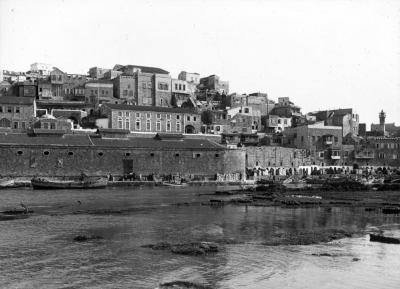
(177,116)
(46,153)
(127,154)
(59,78)
(20,152)
(137,114)
(9,109)
(137,124)
(377,146)
(279,121)
(148,125)
(285,121)
(180,87)
(70,153)
(152,154)
(127,114)
(313,138)
(336,139)
(45,125)
(100,154)
(148,115)
(130,93)
(176,86)
(127,124)
(346,153)
(176,155)
(194,118)
(17,109)
(52,125)
(15,124)
(120,113)
(125,92)
(120,123)
(217,156)
(168,116)
(158,115)
(158,125)
(381,155)
(321,154)
(144,84)
(188,118)
(1,109)
(162,86)
(184,87)
(23,125)
(246,110)
(169,125)
(178,126)
(302,138)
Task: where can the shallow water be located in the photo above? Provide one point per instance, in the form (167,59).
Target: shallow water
(39,252)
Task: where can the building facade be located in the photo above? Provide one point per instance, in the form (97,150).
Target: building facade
(152,119)
(17,113)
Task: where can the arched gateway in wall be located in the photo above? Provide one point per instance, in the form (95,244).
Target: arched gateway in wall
(190,129)
(5,122)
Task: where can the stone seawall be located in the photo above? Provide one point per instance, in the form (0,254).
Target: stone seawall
(97,157)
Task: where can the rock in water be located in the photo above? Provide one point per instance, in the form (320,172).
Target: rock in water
(383,239)
(183,285)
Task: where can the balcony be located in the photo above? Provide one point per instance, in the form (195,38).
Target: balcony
(335,157)
(328,142)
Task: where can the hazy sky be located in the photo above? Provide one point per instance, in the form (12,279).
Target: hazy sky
(322,54)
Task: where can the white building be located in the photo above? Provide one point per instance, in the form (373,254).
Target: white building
(189,77)
(278,123)
(41,68)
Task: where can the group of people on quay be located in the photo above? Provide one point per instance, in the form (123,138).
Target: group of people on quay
(313,170)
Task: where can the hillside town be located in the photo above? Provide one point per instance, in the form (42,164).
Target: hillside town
(134,102)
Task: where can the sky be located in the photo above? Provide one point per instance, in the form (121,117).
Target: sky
(322,54)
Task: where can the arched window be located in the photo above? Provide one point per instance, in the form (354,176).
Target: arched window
(4,122)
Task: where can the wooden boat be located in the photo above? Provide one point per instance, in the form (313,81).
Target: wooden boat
(7,183)
(53,183)
(174,184)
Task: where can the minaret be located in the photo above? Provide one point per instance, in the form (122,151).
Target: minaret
(382,116)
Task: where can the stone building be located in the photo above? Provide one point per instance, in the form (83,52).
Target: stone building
(74,87)
(152,119)
(17,113)
(162,91)
(57,78)
(98,92)
(70,155)
(378,151)
(323,143)
(277,124)
(346,118)
(97,72)
(182,93)
(275,156)
(125,88)
(385,129)
(192,77)
(214,83)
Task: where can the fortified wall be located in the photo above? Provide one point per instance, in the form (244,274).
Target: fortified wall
(70,155)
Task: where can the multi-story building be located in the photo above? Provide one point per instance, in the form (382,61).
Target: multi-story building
(4,87)
(97,72)
(214,83)
(345,118)
(191,77)
(74,87)
(125,88)
(98,92)
(277,124)
(182,92)
(151,119)
(378,151)
(162,96)
(44,89)
(324,143)
(57,79)
(17,113)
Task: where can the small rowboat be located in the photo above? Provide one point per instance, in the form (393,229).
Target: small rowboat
(53,183)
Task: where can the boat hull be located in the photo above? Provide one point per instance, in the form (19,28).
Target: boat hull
(43,184)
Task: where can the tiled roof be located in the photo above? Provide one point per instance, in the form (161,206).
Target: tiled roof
(145,69)
(16,139)
(149,108)
(16,100)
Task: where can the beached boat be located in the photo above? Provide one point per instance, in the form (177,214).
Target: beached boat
(174,184)
(7,183)
(83,183)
